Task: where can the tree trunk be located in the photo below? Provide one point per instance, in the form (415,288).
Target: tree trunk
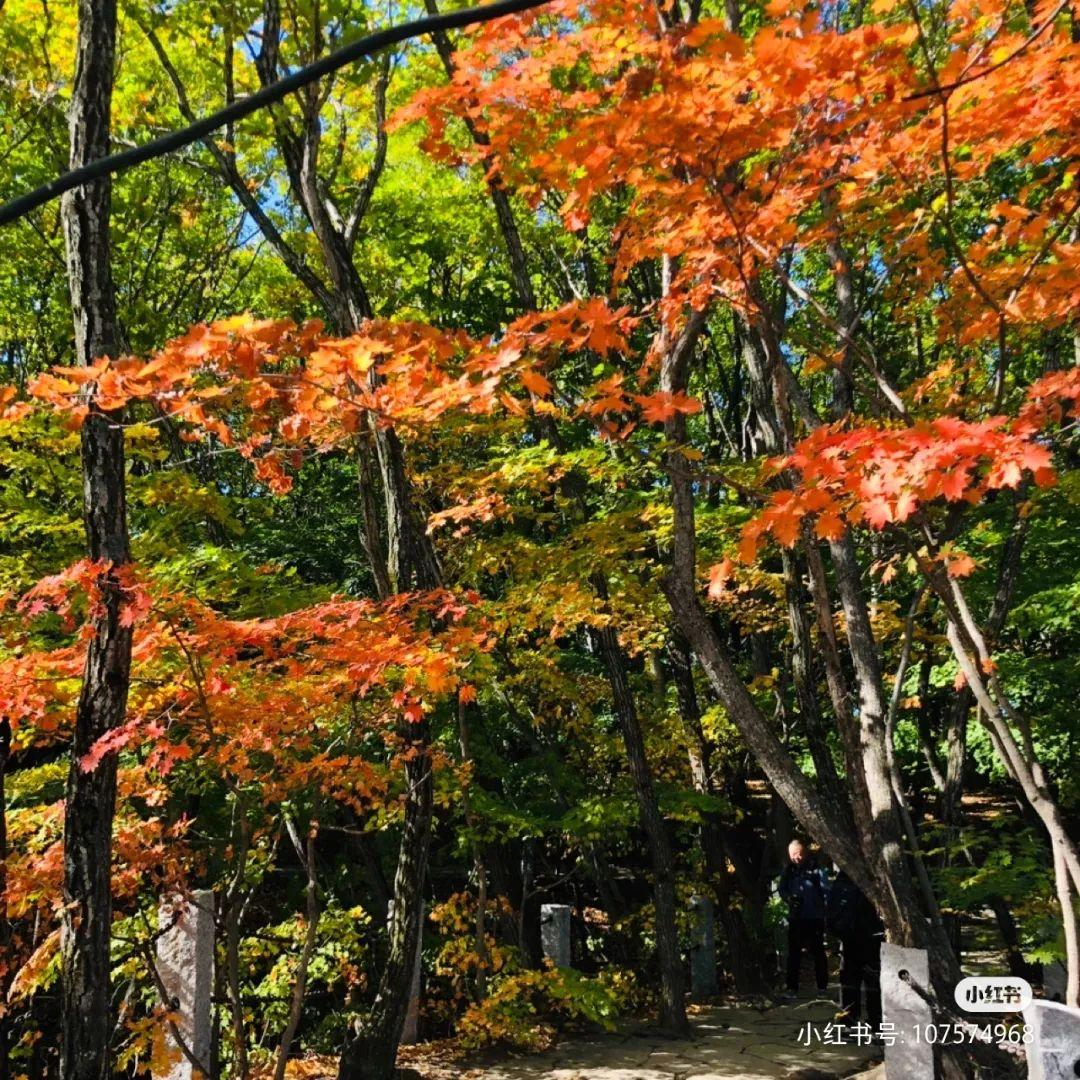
(371,1053)
(479,865)
(743,957)
(880,872)
(999,718)
(879,827)
(672,1004)
(883,839)
(825,821)
(878,815)
(306,852)
(86,1021)
(410,557)
(802,669)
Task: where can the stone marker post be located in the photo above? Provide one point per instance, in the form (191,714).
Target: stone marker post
(1054,1052)
(555,933)
(903,1008)
(410,1032)
(185,963)
(703,949)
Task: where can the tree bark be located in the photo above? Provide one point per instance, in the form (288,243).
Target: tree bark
(86,1021)
(883,844)
(306,852)
(743,956)
(479,863)
(371,1053)
(878,815)
(802,670)
(672,983)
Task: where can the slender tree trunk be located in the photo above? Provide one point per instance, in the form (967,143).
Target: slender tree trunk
(839,693)
(884,841)
(86,1021)
(672,1006)
(479,866)
(306,851)
(880,831)
(743,956)
(950,811)
(951,785)
(233,908)
(879,815)
(529,907)
(999,718)
(829,824)
(843,400)
(1014,954)
(371,526)
(1067,895)
(802,669)
(371,1053)
(410,564)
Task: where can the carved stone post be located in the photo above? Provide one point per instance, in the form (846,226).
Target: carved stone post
(185,963)
(1054,1052)
(903,1008)
(555,933)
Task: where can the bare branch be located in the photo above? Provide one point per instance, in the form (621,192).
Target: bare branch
(226,163)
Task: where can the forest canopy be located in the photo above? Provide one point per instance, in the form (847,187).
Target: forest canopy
(553,461)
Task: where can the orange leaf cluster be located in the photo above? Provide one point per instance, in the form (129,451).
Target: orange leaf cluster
(729,147)
(877,476)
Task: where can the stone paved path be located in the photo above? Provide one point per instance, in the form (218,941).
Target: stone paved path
(728,1044)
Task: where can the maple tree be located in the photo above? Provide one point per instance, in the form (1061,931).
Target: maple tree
(649,412)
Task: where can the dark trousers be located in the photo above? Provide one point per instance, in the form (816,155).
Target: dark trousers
(808,934)
(860,967)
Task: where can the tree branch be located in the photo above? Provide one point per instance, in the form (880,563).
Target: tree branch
(226,163)
(252,103)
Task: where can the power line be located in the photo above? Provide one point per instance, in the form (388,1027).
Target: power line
(237,110)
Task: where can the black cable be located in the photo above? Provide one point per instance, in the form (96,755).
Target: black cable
(166,144)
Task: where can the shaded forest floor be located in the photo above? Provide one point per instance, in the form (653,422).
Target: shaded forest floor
(731,1042)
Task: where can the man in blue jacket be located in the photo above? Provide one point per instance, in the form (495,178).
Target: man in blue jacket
(805,888)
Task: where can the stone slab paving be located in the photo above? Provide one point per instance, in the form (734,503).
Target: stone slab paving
(728,1043)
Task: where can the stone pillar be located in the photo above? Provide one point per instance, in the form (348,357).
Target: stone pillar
(410,1032)
(1054,1052)
(903,1008)
(555,933)
(185,963)
(1054,980)
(702,949)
